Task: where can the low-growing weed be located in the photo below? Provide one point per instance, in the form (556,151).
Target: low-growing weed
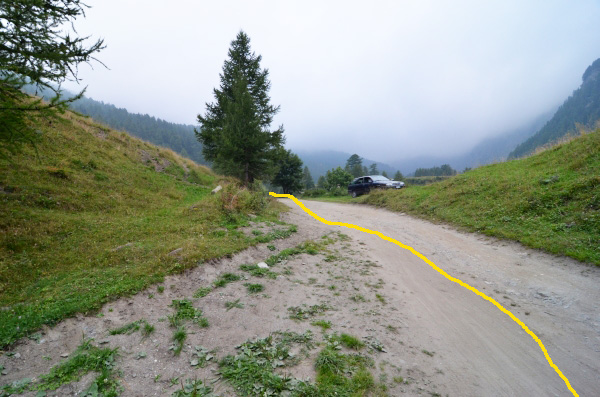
(430,354)
(126,329)
(307,247)
(184,310)
(275,234)
(344,375)
(254,288)
(256,271)
(336,341)
(358,298)
(252,370)
(225,279)
(235,304)
(201,357)
(147,329)
(351,342)
(324,324)
(179,336)
(193,388)
(305,312)
(87,358)
(202,292)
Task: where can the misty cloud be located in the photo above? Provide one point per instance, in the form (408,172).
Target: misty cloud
(385,79)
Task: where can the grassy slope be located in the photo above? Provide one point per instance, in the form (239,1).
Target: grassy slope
(91,219)
(549,201)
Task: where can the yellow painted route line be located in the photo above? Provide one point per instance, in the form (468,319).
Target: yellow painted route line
(443,273)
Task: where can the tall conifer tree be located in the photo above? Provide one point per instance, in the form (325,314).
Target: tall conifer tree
(307,179)
(234,131)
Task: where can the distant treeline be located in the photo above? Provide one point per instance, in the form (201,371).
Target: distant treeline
(444,170)
(178,137)
(424,180)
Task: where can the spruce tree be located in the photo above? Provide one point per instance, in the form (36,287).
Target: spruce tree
(307,179)
(354,165)
(289,175)
(234,131)
(35,49)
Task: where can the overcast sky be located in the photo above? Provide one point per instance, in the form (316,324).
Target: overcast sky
(385,79)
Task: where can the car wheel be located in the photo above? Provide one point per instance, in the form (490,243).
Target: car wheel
(354,195)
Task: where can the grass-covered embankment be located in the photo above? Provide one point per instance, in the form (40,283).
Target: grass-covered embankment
(549,201)
(96,214)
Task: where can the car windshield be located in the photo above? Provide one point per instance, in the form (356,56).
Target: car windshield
(379,178)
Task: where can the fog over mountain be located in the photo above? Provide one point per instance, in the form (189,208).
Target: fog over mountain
(388,80)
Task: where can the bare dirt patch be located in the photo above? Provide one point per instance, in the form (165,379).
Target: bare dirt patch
(340,277)
(159,163)
(425,335)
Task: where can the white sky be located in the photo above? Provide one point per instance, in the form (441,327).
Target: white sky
(385,79)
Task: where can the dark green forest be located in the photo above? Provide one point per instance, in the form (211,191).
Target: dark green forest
(177,137)
(581,108)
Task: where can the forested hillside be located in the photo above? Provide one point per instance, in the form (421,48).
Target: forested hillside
(583,107)
(178,137)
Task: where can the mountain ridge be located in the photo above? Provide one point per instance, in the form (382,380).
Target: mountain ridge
(581,109)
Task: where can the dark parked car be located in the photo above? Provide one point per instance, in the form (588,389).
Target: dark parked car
(364,184)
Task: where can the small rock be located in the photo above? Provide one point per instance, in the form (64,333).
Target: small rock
(215,190)
(120,247)
(17,355)
(262,265)
(64,355)
(5,372)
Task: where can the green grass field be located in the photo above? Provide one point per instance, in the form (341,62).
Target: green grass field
(92,214)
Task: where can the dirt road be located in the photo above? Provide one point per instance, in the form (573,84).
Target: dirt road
(422,334)
(478,349)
